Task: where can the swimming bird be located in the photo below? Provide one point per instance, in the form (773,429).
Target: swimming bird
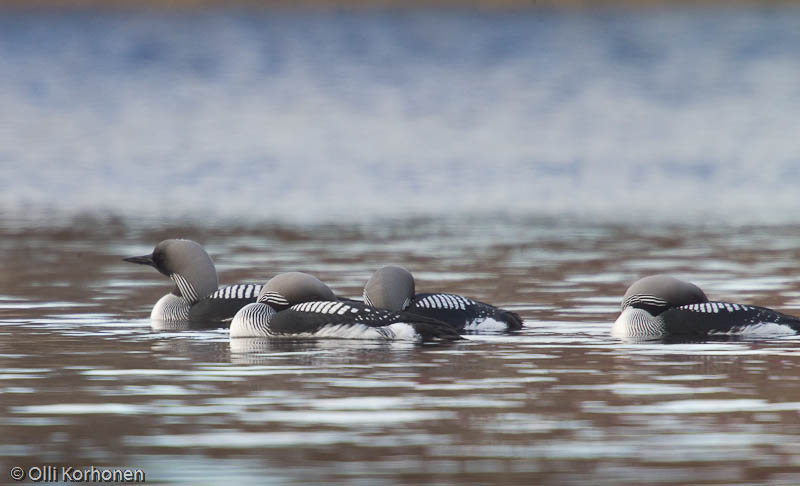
(392,287)
(298,305)
(196,296)
(660,305)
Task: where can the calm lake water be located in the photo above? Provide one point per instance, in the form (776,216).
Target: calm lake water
(539,160)
(85,380)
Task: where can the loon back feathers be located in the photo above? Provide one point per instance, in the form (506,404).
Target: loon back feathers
(723,317)
(464,313)
(331,319)
(223,304)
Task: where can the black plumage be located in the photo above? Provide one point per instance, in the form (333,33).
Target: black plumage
(721,317)
(311,317)
(459,311)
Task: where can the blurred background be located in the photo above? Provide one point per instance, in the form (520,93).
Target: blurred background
(539,156)
(185,110)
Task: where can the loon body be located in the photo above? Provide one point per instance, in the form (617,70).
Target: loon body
(660,305)
(297,305)
(392,287)
(196,296)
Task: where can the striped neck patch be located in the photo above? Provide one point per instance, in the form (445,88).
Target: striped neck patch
(644,300)
(186,288)
(273,298)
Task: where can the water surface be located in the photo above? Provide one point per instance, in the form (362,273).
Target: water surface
(86,381)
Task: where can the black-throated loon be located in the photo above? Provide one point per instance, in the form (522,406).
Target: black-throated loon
(196,296)
(660,305)
(392,287)
(298,305)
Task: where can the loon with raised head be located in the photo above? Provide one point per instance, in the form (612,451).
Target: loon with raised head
(660,305)
(196,296)
(298,305)
(392,287)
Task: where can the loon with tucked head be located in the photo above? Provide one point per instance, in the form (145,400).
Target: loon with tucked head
(392,288)
(196,296)
(660,305)
(298,305)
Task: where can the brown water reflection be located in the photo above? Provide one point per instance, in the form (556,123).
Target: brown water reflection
(86,381)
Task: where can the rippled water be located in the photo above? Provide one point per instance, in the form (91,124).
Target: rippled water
(552,158)
(85,380)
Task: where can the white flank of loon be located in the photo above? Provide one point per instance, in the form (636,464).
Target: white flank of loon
(660,305)
(196,296)
(298,305)
(392,287)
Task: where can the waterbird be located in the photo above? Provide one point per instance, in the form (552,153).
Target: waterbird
(196,296)
(661,305)
(298,305)
(392,287)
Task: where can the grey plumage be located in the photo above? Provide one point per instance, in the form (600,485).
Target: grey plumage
(292,288)
(390,287)
(196,296)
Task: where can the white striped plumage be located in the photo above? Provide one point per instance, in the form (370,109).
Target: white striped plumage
(635,322)
(444,301)
(171,308)
(253,320)
(274,298)
(367,301)
(238,291)
(645,300)
(185,287)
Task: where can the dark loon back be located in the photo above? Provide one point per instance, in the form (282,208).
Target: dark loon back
(461,312)
(223,304)
(722,317)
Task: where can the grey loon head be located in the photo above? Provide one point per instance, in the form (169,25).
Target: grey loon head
(280,292)
(287,289)
(657,293)
(390,287)
(647,298)
(187,264)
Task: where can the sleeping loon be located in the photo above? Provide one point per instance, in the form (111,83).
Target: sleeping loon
(660,305)
(298,305)
(195,296)
(392,288)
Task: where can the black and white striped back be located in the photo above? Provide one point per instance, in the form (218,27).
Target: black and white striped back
(704,318)
(464,313)
(223,304)
(334,319)
(238,291)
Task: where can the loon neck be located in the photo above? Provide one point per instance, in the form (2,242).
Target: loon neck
(636,322)
(192,291)
(171,308)
(252,320)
